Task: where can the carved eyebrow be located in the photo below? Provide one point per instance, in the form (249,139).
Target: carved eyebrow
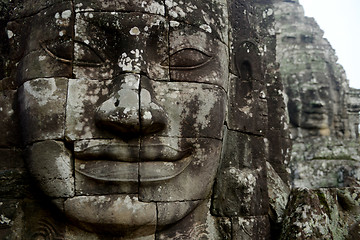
(69,61)
(184,62)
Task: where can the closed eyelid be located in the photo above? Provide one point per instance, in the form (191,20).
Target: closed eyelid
(187,59)
(99,62)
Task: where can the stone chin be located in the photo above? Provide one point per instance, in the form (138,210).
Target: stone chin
(315,121)
(122,214)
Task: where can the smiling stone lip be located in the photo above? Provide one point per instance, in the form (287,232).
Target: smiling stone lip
(130,163)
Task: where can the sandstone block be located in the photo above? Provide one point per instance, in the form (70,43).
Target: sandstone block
(50,163)
(42,109)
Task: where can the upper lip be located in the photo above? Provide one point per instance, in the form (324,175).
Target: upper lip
(132,153)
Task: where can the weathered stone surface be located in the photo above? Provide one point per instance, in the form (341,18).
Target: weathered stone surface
(27,8)
(324,162)
(249,228)
(353,106)
(247,105)
(212,17)
(41,223)
(11,158)
(14,183)
(14,178)
(279,152)
(169,212)
(84,96)
(50,164)
(199,224)
(38,64)
(44,41)
(240,188)
(9,119)
(8,210)
(107,44)
(42,109)
(196,169)
(321,214)
(191,109)
(278,192)
(121,214)
(147,6)
(195,56)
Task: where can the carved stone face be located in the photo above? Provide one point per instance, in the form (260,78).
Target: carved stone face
(311,104)
(314,112)
(123,109)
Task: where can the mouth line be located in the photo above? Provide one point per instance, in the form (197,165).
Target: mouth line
(121,172)
(132,153)
(131,162)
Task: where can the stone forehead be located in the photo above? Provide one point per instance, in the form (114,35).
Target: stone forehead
(210,16)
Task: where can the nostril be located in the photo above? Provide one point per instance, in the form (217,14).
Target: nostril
(153,121)
(117,102)
(317,104)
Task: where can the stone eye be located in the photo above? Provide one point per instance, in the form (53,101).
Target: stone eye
(187,59)
(60,50)
(63,51)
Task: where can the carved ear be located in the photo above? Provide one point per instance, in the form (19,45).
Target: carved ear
(248,61)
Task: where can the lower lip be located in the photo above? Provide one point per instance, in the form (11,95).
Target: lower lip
(116,171)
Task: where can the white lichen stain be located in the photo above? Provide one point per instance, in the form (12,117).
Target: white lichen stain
(246,178)
(66,14)
(42,58)
(10,34)
(135,31)
(131,64)
(147,115)
(174,23)
(4,219)
(154,7)
(145,97)
(206,28)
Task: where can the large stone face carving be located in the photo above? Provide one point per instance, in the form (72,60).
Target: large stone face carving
(127,109)
(142,110)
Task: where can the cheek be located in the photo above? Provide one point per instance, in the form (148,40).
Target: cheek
(43,109)
(50,163)
(192,109)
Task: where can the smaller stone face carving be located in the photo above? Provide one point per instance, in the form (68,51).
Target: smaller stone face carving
(123,111)
(311,102)
(316,106)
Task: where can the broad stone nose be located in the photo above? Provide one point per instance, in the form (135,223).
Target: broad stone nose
(317,103)
(130,111)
